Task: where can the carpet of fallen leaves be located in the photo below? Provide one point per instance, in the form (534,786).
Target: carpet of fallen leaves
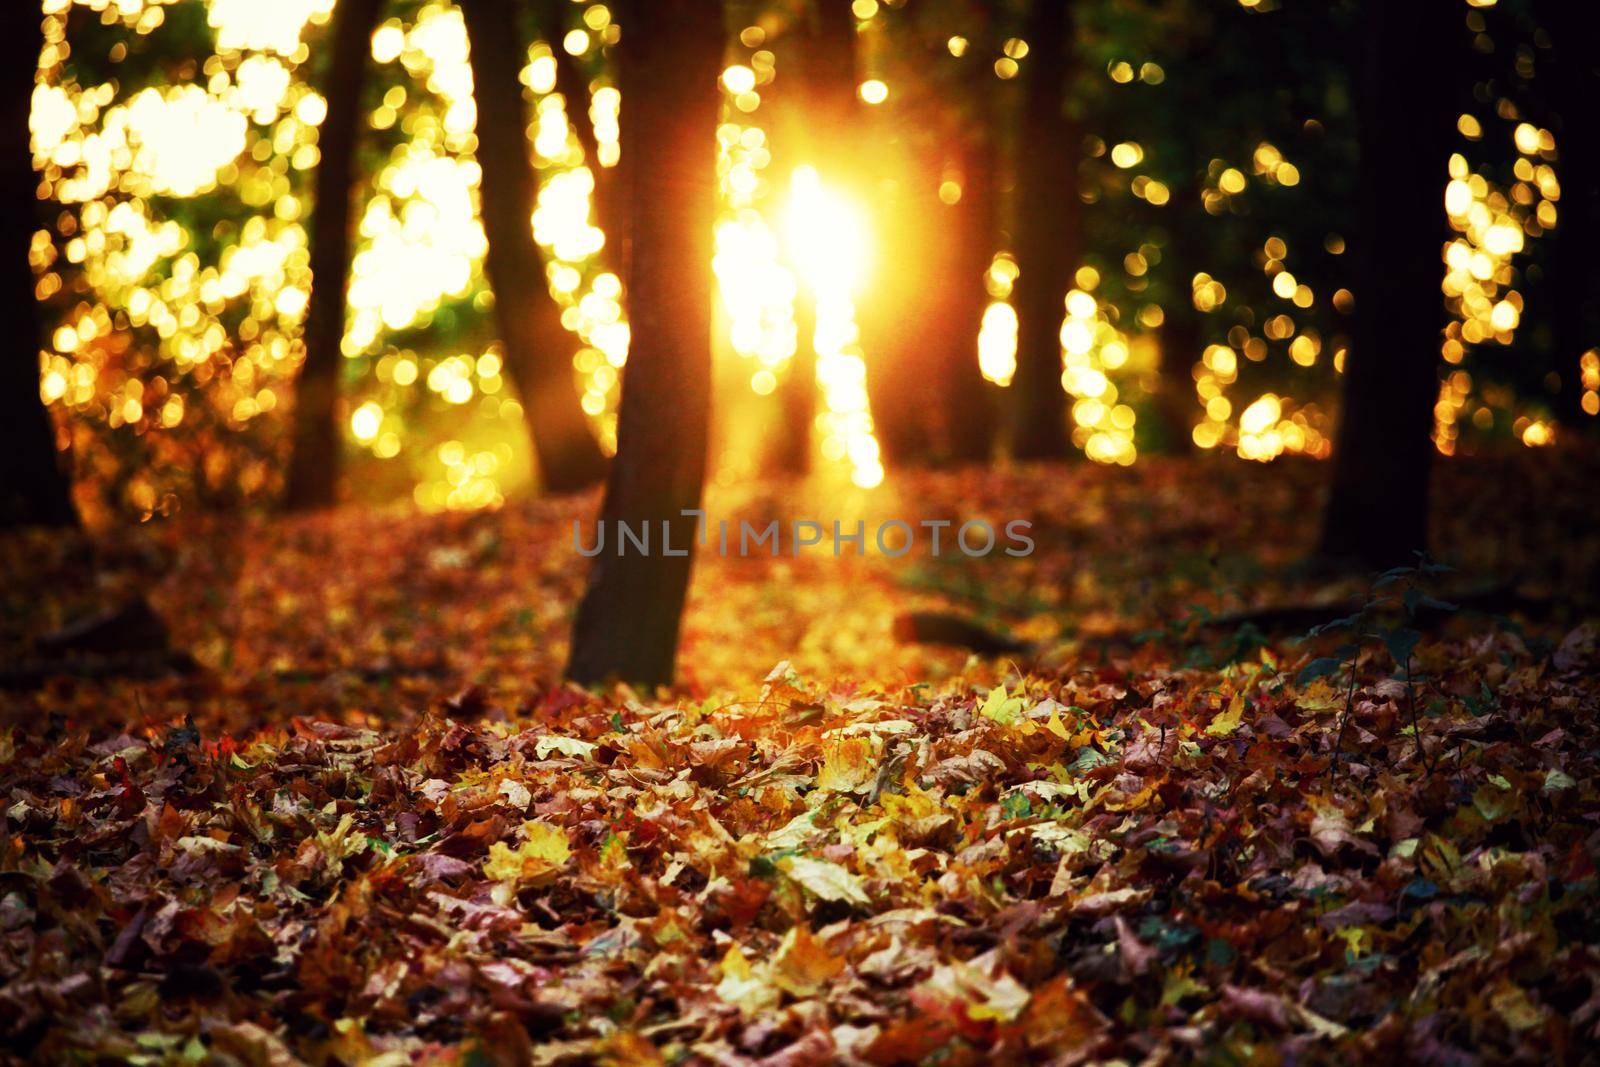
(374,828)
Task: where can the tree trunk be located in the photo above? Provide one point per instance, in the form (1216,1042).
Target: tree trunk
(819,124)
(1183,330)
(1377,512)
(33,488)
(844,134)
(1574,289)
(611,202)
(538,349)
(797,396)
(795,399)
(627,625)
(1049,232)
(315,461)
(1182,343)
(969,405)
(900,320)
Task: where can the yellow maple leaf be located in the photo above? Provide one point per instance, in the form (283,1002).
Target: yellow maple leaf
(614,853)
(1055,725)
(847,766)
(1228,721)
(1007,711)
(747,988)
(827,880)
(734,965)
(1320,696)
(804,966)
(544,850)
(1117,801)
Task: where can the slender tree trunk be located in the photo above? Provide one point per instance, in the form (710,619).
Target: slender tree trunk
(1378,508)
(1183,332)
(904,317)
(969,405)
(315,461)
(820,125)
(1181,346)
(627,625)
(1049,231)
(896,323)
(33,488)
(611,202)
(1574,290)
(894,318)
(797,396)
(795,399)
(538,348)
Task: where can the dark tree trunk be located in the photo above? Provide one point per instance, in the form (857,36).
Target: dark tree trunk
(1183,331)
(889,320)
(1377,512)
(1574,289)
(538,348)
(1182,342)
(1049,232)
(315,461)
(795,399)
(627,625)
(930,402)
(797,396)
(830,73)
(969,405)
(33,488)
(899,321)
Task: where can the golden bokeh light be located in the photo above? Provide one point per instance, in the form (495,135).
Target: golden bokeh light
(223,308)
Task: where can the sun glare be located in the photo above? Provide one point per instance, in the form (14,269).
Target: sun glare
(830,247)
(226,328)
(828,235)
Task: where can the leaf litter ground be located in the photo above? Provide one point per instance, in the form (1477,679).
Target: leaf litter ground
(375,827)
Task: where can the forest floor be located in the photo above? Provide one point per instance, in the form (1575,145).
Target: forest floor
(373,826)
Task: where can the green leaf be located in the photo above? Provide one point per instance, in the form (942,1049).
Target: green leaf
(1324,667)
(1003,709)
(1401,643)
(1556,781)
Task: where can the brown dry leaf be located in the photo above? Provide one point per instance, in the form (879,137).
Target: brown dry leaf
(803,966)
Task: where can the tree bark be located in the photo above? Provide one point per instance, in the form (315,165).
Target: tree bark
(929,394)
(627,624)
(1574,290)
(1049,232)
(900,319)
(1183,330)
(969,405)
(538,348)
(1182,343)
(316,458)
(797,396)
(34,490)
(1377,514)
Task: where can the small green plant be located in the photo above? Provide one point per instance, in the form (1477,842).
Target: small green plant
(1189,632)
(1388,619)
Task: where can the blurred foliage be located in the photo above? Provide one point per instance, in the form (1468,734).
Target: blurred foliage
(176,141)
